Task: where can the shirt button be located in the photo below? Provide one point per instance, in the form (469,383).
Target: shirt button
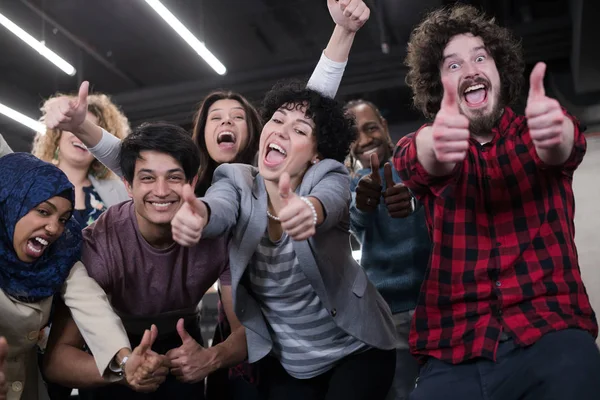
(498,283)
(333,312)
(33,335)
(16,386)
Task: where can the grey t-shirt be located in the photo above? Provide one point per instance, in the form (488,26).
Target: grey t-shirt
(142,280)
(306,339)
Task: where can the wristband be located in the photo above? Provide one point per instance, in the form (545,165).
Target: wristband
(312,208)
(123,363)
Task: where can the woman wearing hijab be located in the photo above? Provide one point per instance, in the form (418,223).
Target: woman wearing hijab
(39,251)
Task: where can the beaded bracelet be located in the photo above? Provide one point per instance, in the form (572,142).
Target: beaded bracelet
(312,208)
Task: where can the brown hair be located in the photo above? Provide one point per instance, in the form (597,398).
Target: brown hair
(109,117)
(245,156)
(429,39)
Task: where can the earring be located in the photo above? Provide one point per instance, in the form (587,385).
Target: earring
(55,158)
(314,161)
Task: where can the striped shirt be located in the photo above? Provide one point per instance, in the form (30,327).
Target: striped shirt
(305,338)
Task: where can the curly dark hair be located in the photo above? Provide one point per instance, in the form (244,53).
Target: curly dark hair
(245,156)
(334,130)
(429,39)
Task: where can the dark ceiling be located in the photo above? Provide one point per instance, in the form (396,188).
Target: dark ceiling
(125,49)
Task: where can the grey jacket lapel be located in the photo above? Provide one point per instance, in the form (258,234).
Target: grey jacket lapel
(257,224)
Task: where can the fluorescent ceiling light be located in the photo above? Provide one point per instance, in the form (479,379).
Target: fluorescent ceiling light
(23,119)
(186,35)
(37,46)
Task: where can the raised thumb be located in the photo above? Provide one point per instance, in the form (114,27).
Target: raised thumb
(284,187)
(389,177)
(3,351)
(82,96)
(375,169)
(145,343)
(536,81)
(190,197)
(449,100)
(185,337)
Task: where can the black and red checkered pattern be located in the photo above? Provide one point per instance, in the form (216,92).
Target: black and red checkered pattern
(504,256)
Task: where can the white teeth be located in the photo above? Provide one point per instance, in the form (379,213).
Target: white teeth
(373,150)
(164,205)
(274,146)
(231,136)
(42,241)
(474,87)
(80,145)
(30,247)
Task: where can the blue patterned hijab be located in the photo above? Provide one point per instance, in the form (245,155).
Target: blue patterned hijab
(25,182)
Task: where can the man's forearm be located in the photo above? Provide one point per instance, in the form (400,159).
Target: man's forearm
(89,133)
(230,352)
(560,153)
(340,43)
(72,367)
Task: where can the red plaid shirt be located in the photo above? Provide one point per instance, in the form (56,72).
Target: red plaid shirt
(504,256)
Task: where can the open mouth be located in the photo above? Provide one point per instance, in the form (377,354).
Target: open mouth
(275,155)
(80,146)
(36,246)
(476,95)
(226,140)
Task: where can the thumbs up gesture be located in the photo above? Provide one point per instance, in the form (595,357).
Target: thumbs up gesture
(189,362)
(545,117)
(67,113)
(368,190)
(450,129)
(190,219)
(397,197)
(3,380)
(296,216)
(145,369)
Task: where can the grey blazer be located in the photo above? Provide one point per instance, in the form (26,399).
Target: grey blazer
(4,147)
(238,205)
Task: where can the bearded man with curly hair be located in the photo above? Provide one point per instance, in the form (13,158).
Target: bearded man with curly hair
(503,312)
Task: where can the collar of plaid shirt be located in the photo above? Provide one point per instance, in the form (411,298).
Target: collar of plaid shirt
(504,256)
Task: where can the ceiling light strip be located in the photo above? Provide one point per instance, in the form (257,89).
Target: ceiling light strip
(23,119)
(37,46)
(186,35)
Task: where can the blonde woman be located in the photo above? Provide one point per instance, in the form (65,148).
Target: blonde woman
(96,188)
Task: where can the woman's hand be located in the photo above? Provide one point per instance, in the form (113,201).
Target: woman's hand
(298,216)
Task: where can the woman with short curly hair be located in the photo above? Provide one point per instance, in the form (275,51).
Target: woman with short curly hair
(96,187)
(315,324)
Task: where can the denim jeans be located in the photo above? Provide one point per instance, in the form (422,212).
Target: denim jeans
(562,365)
